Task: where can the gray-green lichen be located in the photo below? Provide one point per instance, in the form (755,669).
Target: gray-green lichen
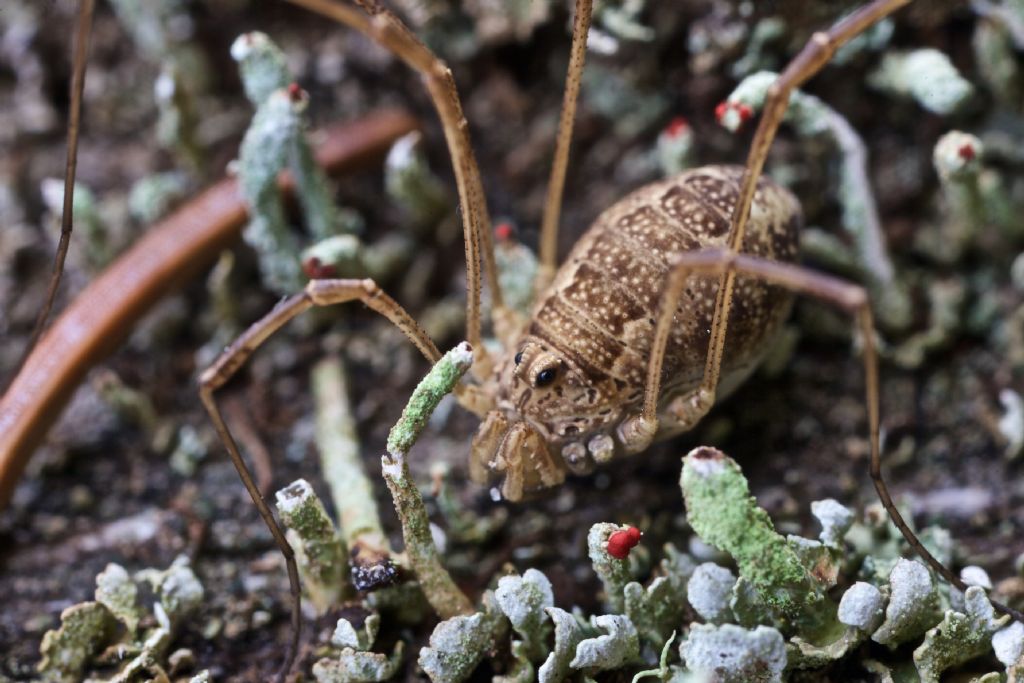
(926,75)
(92,231)
(734,654)
(261,64)
(722,512)
(275,141)
(524,599)
(151,197)
(675,147)
(457,646)
(410,182)
(709,592)
(614,573)
(862,607)
(337,256)
(118,593)
(959,637)
(835,520)
(163,31)
(913,604)
(617,646)
(358,666)
(115,623)
(351,489)
(264,153)
(318,548)
(517,272)
(568,634)
(438,587)
(439,382)
(84,629)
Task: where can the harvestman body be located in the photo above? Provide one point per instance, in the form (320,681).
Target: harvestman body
(578,371)
(668,301)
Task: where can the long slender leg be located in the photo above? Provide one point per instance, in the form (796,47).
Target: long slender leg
(846,296)
(388,30)
(556,185)
(811,59)
(317,293)
(82,33)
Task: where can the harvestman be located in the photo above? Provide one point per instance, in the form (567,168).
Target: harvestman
(536,371)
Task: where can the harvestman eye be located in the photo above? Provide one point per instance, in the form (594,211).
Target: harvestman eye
(519,358)
(545,377)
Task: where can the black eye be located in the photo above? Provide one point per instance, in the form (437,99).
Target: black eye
(545,377)
(519,358)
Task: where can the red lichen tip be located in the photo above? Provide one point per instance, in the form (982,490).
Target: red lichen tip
(720,110)
(315,269)
(676,127)
(745,112)
(967,152)
(294,91)
(621,542)
(503,231)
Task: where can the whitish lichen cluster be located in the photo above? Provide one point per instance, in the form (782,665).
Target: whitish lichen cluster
(276,141)
(129,628)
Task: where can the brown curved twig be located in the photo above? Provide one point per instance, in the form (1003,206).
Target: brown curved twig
(171,252)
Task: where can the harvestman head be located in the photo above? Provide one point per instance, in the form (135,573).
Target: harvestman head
(516,394)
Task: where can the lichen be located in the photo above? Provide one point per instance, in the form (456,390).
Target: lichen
(835,520)
(926,75)
(862,607)
(358,666)
(913,604)
(118,593)
(84,629)
(410,182)
(709,592)
(614,573)
(457,645)
(438,587)
(568,634)
(959,637)
(524,599)
(620,645)
(90,633)
(722,513)
(439,382)
(735,655)
(318,549)
(1008,644)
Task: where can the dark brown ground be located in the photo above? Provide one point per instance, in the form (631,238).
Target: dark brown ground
(800,435)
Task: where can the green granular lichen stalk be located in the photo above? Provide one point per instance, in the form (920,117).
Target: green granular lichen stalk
(440,381)
(319,551)
(725,515)
(614,573)
(343,469)
(438,586)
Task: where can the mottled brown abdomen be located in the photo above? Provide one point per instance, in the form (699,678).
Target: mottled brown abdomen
(601,309)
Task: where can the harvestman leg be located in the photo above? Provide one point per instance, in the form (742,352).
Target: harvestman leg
(640,430)
(849,297)
(810,60)
(556,184)
(83,32)
(385,28)
(316,293)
